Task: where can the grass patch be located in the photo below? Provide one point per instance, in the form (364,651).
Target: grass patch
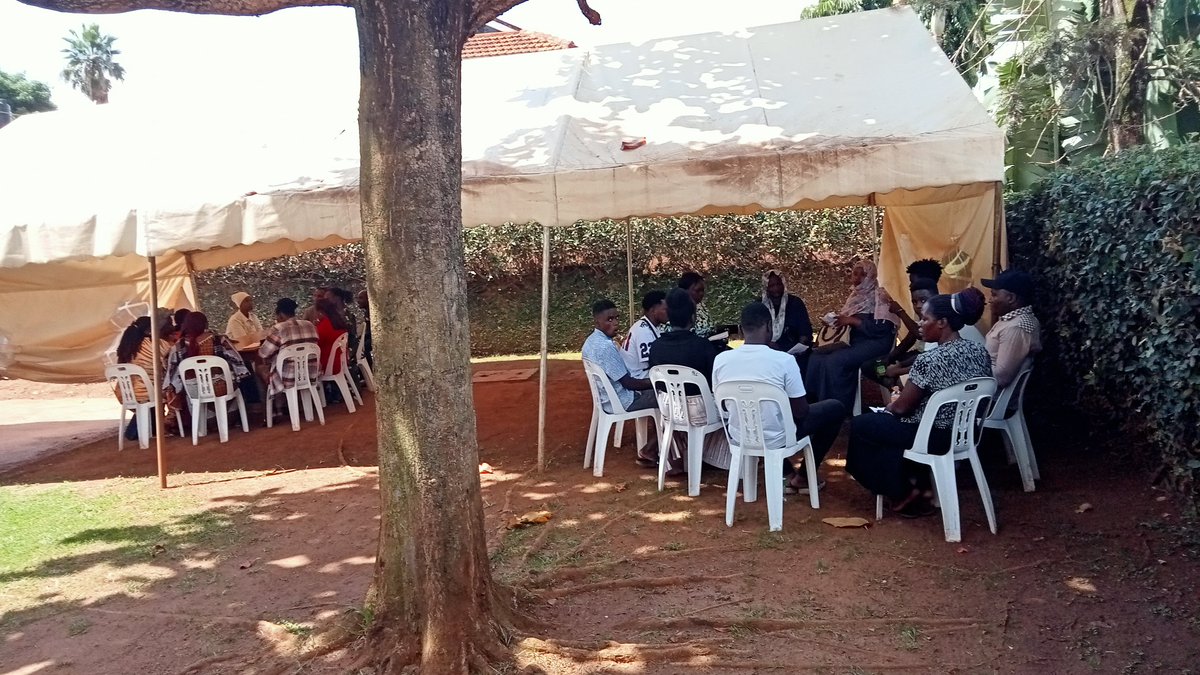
(296,628)
(910,638)
(69,543)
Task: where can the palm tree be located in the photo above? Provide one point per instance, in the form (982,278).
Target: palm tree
(90,62)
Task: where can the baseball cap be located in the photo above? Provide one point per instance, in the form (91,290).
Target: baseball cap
(1014,281)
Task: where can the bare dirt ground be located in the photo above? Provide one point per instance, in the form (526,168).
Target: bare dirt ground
(627,579)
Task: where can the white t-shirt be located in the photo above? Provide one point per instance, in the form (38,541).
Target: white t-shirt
(636,348)
(760,363)
(967,333)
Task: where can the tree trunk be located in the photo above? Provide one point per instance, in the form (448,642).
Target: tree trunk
(1132,76)
(433,598)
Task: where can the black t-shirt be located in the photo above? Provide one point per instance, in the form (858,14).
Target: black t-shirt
(684,348)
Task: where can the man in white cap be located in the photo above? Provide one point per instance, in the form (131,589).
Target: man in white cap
(243,327)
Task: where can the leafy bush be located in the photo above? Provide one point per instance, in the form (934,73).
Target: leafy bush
(814,249)
(1115,244)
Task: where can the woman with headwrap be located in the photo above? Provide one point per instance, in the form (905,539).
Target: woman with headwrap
(196,340)
(243,328)
(834,374)
(790,324)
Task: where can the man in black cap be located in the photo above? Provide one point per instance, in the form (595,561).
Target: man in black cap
(1016,334)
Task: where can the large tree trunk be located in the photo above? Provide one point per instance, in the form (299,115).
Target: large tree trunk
(433,597)
(1132,76)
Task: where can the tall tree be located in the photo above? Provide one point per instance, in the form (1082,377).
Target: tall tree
(90,63)
(433,600)
(23,94)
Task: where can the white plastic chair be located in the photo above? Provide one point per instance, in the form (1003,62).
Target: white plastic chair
(671,383)
(748,399)
(969,399)
(602,422)
(304,390)
(360,357)
(1008,415)
(202,391)
(124,374)
(343,379)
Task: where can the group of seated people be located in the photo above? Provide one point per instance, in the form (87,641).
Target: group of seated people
(942,349)
(249,350)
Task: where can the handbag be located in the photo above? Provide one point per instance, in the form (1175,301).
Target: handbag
(833,337)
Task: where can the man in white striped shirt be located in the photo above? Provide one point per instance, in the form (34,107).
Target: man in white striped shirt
(635,350)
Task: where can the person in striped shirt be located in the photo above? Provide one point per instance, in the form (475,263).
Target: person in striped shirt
(288,330)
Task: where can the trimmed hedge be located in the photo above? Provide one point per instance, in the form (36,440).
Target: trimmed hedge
(1115,246)
(813,248)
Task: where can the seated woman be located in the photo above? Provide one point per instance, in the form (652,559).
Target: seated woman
(137,347)
(196,340)
(790,324)
(244,328)
(331,324)
(833,372)
(974,297)
(878,440)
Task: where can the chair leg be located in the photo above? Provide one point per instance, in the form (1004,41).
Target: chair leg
(293,404)
(664,452)
(878,507)
(197,408)
(308,402)
(321,392)
(241,404)
(1015,441)
(602,443)
(639,431)
(985,492)
(695,460)
(121,430)
(947,491)
(810,467)
(312,401)
(179,421)
(773,474)
(619,435)
(352,385)
(750,478)
(368,376)
(221,405)
(1033,465)
(736,462)
(591,441)
(145,420)
(341,385)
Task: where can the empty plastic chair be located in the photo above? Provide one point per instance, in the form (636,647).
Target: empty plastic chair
(303,390)
(343,379)
(671,383)
(1008,416)
(202,390)
(363,366)
(746,399)
(969,399)
(602,422)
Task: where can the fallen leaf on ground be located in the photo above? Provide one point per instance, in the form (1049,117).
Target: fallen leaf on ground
(838,521)
(1084,508)
(248,564)
(621,487)
(485,468)
(531,518)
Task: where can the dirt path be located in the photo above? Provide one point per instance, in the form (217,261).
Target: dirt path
(659,575)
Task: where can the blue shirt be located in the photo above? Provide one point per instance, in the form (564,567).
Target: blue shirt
(599,349)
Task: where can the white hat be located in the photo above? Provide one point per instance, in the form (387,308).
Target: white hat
(238,298)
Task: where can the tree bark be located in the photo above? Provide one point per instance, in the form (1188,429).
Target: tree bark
(433,597)
(1127,128)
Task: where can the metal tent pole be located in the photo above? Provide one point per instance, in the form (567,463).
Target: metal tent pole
(156,375)
(997,225)
(629,268)
(544,356)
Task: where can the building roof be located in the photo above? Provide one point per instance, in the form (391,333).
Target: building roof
(504,43)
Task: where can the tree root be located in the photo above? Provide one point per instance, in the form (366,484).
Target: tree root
(536,545)
(774,625)
(635,582)
(619,517)
(584,571)
(205,665)
(625,652)
(728,664)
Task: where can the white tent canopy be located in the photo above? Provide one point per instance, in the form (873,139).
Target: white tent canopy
(854,109)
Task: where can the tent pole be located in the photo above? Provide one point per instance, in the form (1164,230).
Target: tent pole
(997,226)
(156,375)
(875,226)
(544,356)
(629,267)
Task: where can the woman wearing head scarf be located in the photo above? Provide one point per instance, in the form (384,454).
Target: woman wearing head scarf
(243,328)
(833,374)
(790,324)
(196,340)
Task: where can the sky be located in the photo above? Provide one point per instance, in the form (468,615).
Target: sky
(311,53)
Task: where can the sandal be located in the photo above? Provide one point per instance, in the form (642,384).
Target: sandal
(646,462)
(920,508)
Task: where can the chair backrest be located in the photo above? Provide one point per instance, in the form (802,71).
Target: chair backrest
(337,355)
(300,354)
(671,384)
(361,330)
(970,400)
(748,398)
(124,374)
(598,381)
(207,369)
(1010,398)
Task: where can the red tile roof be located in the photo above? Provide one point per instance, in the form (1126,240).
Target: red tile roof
(503,43)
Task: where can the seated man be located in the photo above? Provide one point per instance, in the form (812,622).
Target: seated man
(287,331)
(902,356)
(756,361)
(634,393)
(1016,333)
(643,333)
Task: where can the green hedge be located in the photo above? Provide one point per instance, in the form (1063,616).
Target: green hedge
(1114,244)
(814,248)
